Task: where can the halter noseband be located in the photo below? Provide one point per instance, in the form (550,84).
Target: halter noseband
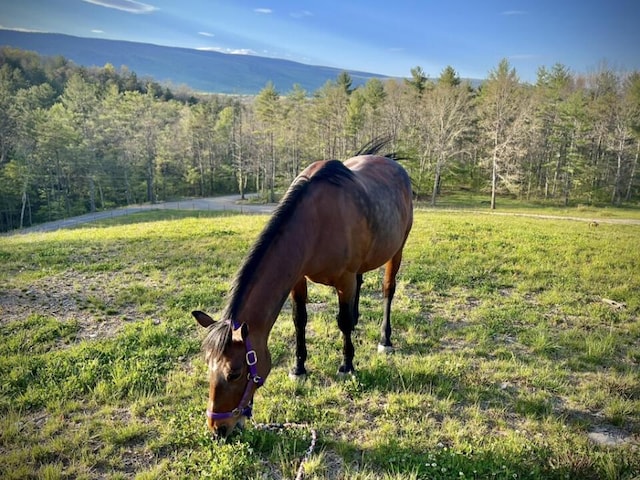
(252,378)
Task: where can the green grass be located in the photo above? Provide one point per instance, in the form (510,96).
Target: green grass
(506,356)
(460,200)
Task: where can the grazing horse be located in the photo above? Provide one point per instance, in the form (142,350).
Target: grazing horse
(336,221)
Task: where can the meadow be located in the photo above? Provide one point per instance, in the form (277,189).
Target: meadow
(517,355)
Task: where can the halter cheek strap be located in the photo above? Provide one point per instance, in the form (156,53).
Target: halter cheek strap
(245,406)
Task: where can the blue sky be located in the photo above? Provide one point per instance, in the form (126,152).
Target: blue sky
(387,37)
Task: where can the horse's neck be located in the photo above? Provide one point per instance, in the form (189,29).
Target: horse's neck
(275,276)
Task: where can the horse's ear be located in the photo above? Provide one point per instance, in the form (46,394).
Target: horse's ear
(202,318)
(240,334)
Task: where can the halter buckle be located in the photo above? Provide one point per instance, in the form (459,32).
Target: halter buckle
(252,358)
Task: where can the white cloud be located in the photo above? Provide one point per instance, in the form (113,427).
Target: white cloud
(265,11)
(206,34)
(18,29)
(231,51)
(514,12)
(302,14)
(95,30)
(130,6)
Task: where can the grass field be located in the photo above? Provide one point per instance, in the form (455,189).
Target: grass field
(468,201)
(509,364)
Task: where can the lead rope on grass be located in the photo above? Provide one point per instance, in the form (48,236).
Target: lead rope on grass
(278,427)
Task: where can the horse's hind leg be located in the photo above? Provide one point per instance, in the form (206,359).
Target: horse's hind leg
(388,291)
(347,288)
(299,303)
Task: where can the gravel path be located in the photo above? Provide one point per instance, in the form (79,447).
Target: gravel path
(225,203)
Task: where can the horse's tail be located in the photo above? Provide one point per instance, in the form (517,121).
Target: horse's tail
(374,147)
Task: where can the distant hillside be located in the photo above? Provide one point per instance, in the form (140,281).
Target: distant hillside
(200,70)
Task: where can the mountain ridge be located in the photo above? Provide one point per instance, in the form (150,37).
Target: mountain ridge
(200,70)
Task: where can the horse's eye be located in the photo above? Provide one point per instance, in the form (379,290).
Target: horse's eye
(233,376)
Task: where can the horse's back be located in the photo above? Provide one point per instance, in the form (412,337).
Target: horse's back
(383,179)
(377,170)
(381,190)
(361,221)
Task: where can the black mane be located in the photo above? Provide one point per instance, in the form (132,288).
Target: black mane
(333,172)
(219,334)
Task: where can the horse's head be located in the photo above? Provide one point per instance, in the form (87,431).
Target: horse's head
(233,373)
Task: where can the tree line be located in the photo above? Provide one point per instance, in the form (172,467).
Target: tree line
(76,139)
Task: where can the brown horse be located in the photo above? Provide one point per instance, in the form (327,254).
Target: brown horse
(336,221)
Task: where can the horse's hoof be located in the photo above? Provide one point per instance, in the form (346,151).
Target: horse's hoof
(297,377)
(385,348)
(344,372)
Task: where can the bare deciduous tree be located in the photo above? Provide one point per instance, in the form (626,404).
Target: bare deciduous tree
(504,114)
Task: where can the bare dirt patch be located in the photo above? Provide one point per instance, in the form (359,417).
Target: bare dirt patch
(610,436)
(89,299)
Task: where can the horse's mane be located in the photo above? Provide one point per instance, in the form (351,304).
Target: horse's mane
(334,172)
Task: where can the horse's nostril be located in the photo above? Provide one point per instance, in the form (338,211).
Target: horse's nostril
(222,431)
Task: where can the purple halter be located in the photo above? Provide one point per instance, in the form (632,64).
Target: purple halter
(252,378)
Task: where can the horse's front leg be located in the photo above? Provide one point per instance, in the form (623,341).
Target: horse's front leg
(299,304)
(347,289)
(356,302)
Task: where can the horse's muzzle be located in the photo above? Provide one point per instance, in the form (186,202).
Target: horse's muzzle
(223,431)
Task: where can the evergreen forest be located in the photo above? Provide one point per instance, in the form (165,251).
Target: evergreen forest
(75,139)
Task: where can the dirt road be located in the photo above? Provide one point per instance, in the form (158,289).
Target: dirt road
(225,203)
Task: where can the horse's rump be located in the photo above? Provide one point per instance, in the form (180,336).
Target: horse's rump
(362,221)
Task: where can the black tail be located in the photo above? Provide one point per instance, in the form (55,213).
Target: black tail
(373,147)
